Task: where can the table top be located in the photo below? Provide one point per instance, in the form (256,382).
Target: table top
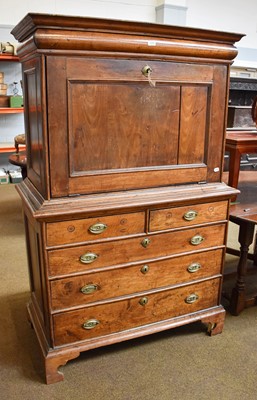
(19,159)
(245,206)
(240,137)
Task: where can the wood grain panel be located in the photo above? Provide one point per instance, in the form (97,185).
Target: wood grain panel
(193,125)
(67,260)
(67,292)
(115,126)
(127,314)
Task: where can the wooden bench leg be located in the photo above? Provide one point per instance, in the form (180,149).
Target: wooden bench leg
(245,238)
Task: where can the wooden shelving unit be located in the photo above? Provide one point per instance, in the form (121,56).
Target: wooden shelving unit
(8,57)
(9,147)
(11,110)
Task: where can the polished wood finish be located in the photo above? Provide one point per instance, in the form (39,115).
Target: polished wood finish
(125,133)
(19,159)
(244,214)
(238,143)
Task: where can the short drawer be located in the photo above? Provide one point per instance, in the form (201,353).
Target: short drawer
(176,217)
(101,285)
(96,255)
(130,313)
(81,230)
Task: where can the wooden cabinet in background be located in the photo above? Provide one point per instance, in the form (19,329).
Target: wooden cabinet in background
(125,212)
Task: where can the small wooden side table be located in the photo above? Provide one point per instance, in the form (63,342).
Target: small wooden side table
(238,143)
(244,215)
(20,159)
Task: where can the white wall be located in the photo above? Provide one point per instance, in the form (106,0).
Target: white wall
(229,15)
(141,10)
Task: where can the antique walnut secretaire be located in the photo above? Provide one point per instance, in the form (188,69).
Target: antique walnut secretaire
(125,210)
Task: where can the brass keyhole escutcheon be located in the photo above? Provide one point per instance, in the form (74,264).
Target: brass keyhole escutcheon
(143,301)
(146,70)
(144,269)
(145,242)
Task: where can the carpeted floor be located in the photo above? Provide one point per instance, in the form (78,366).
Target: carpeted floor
(182,363)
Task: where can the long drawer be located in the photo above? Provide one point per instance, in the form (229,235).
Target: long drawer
(95,255)
(130,313)
(88,288)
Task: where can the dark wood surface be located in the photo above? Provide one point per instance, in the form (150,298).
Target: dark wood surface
(19,159)
(244,214)
(237,143)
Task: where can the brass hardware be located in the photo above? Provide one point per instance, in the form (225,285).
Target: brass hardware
(90,324)
(143,301)
(197,239)
(144,269)
(88,258)
(191,298)
(97,228)
(146,70)
(145,242)
(190,215)
(90,288)
(194,267)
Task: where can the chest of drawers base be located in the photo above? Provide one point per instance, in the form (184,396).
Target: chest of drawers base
(213,318)
(106,274)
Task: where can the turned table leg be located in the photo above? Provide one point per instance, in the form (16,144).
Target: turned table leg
(245,238)
(255,251)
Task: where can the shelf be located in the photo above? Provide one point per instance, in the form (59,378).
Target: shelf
(9,57)
(9,148)
(11,110)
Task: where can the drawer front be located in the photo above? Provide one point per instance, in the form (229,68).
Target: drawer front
(95,255)
(130,313)
(176,217)
(101,285)
(66,232)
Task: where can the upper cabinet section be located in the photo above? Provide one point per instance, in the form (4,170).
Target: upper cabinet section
(121,105)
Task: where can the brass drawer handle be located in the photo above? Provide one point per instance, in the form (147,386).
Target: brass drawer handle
(145,242)
(97,228)
(143,301)
(144,269)
(90,288)
(194,267)
(190,215)
(197,239)
(90,324)
(191,298)
(88,258)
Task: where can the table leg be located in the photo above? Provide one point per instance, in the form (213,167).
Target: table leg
(245,238)
(255,251)
(234,167)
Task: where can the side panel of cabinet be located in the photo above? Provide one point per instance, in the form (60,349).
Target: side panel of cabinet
(36,142)
(39,296)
